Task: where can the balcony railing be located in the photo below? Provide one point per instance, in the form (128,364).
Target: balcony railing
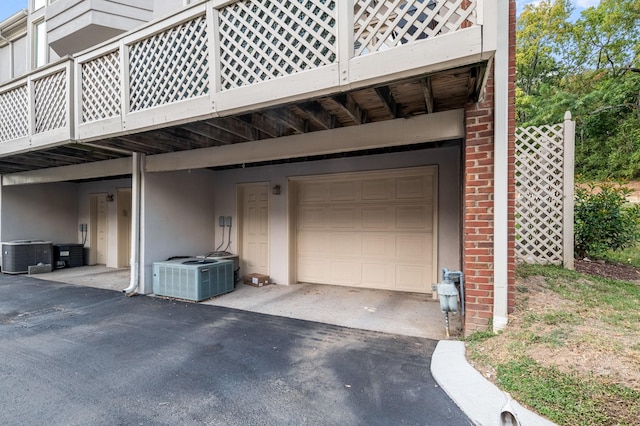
(35,109)
(221,57)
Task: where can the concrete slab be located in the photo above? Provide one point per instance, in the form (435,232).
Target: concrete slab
(408,314)
(98,276)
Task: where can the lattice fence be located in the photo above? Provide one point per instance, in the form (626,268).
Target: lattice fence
(51,102)
(170,66)
(264,39)
(380,24)
(544,200)
(101,88)
(14,114)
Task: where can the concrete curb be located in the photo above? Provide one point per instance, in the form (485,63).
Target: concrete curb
(480,399)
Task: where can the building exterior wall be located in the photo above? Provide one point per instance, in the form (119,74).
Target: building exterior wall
(85,191)
(479,189)
(24,215)
(178,218)
(67,206)
(447,160)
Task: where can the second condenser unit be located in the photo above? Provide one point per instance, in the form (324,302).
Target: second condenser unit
(18,255)
(193,279)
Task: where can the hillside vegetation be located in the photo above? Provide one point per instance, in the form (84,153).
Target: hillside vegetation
(590,67)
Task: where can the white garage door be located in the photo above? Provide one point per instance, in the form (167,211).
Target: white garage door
(371,229)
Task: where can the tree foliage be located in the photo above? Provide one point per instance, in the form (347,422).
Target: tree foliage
(591,67)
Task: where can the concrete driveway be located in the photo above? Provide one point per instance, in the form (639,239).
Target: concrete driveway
(80,355)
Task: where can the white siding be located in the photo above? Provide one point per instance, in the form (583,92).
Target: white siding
(5,63)
(20,58)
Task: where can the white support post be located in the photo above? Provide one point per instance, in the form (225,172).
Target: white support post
(124,83)
(345,38)
(213,31)
(569,136)
(501,175)
(71,98)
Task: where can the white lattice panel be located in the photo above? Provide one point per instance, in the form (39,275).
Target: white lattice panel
(51,102)
(101,88)
(382,24)
(170,66)
(539,200)
(264,39)
(14,114)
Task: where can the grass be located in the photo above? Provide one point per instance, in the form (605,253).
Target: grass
(567,398)
(619,301)
(578,316)
(629,256)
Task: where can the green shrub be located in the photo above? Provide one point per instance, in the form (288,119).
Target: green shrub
(604,220)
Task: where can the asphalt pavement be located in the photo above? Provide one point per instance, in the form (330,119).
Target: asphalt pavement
(77,355)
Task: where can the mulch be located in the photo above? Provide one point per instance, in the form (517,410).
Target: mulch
(616,271)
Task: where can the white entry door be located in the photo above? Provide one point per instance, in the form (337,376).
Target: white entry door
(369,229)
(99,229)
(254,224)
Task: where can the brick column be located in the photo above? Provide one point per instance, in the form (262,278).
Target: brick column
(478,211)
(478,226)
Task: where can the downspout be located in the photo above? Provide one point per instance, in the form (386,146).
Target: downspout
(501,175)
(136,198)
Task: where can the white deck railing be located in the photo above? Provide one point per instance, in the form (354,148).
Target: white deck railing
(220,57)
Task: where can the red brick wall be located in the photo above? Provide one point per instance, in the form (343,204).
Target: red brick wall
(478,219)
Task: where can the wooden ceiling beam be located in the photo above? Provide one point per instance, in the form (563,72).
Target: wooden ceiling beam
(153,140)
(133,145)
(287,118)
(427,92)
(318,115)
(189,139)
(350,107)
(388,101)
(234,126)
(263,125)
(219,137)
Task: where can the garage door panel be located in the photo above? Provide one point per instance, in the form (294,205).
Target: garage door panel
(377,217)
(346,244)
(344,191)
(313,192)
(418,218)
(377,275)
(312,217)
(377,189)
(411,278)
(345,273)
(370,229)
(414,188)
(314,270)
(314,244)
(344,217)
(414,248)
(381,246)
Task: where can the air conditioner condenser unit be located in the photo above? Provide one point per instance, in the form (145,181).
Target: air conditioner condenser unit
(193,279)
